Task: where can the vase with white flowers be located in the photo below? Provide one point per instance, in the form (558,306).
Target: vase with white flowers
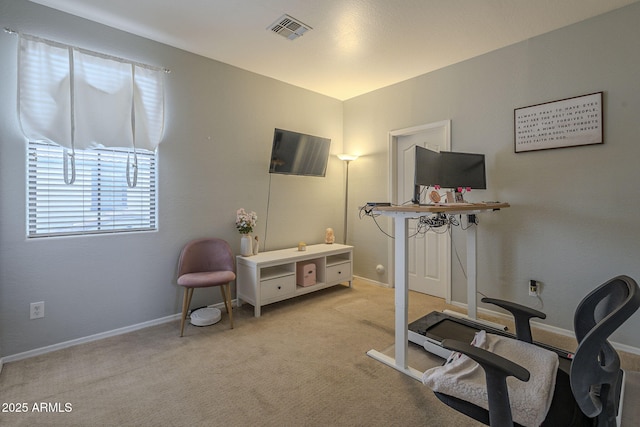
(245,221)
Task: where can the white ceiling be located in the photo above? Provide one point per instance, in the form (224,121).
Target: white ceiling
(355,46)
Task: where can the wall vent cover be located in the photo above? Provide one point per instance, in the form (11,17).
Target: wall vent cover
(289,27)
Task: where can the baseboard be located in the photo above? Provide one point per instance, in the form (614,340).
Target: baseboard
(549,328)
(96,337)
(162,320)
(373,282)
(90,338)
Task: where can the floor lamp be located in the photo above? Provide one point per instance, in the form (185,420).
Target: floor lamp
(348,158)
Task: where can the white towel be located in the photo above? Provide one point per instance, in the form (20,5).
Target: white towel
(461,377)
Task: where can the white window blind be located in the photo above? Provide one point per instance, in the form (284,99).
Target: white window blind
(93,123)
(99,201)
(80,99)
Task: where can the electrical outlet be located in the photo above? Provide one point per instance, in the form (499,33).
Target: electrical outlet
(36,310)
(533,288)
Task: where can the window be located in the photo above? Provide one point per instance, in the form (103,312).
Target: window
(93,123)
(99,200)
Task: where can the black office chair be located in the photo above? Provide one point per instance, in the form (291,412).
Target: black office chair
(590,394)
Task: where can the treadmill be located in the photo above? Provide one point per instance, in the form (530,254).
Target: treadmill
(429,331)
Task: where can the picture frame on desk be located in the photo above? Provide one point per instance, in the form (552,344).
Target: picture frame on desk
(455,197)
(569,122)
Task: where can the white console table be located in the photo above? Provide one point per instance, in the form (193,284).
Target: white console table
(271,276)
(401,215)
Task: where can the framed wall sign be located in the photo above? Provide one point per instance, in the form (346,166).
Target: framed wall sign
(565,123)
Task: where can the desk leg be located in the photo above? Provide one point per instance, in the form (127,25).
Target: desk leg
(401,306)
(472,271)
(401,291)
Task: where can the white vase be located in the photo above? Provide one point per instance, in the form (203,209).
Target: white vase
(246,245)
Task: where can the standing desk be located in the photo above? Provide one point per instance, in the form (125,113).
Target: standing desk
(401,216)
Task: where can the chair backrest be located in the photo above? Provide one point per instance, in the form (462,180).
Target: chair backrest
(595,370)
(210,254)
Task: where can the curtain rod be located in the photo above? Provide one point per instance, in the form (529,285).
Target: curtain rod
(90,52)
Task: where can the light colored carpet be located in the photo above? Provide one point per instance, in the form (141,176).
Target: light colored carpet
(303,363)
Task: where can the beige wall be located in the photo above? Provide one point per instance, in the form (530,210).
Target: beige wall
(572,225)
(573,221)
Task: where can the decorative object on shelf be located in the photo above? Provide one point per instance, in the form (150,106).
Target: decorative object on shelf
(256,246)
(302,246)
(246,245)
(329,237)
(568,122)
(305,274)
(245,221)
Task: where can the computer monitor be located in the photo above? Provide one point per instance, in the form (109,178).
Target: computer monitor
(448,169)
(466,170)
(427,170)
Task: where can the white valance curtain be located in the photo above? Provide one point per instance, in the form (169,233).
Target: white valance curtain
(80,100)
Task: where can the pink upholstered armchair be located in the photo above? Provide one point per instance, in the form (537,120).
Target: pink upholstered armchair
(204,263)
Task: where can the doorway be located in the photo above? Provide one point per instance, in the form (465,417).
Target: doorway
(429,254)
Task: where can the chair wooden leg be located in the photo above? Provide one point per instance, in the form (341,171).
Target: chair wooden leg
(186,302)
(226,295)
(223,291)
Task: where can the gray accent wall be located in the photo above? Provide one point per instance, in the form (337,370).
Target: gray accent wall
(573,221)
(214,159)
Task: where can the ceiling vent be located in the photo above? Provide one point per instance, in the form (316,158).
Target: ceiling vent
(289,27)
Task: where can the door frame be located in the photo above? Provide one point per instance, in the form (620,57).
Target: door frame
(393,188)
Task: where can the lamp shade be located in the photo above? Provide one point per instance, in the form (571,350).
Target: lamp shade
(347,157)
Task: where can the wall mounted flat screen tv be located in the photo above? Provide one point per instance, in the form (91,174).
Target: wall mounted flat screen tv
(296,153)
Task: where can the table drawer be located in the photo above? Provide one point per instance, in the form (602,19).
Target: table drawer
(278,288)
(339,273)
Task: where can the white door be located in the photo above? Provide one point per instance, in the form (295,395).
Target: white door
(429,256)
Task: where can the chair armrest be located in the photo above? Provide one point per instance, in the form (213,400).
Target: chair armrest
(521,315)
(496,369)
